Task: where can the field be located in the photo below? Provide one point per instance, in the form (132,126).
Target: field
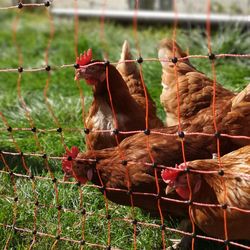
(63,97)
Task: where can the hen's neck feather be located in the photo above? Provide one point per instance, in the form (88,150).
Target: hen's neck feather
(121,97)
(115,81)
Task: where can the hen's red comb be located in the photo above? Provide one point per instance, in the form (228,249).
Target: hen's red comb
(70,155)
(84,58)
(169,175)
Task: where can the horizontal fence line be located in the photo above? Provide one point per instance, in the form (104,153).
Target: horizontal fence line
(33,177)
(160,166)
(58,67)
(29,5)
(111,131)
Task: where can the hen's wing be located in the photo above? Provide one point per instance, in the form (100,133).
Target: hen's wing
(237,120)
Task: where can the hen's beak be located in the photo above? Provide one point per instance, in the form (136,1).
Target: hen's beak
(77,76)
(169,189)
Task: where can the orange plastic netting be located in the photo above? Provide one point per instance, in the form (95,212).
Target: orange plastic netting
(58,128)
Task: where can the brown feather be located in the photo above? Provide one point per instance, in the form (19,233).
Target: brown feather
(195,88)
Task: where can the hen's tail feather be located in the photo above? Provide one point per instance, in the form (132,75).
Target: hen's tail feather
(126,68)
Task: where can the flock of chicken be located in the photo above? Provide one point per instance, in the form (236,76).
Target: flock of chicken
(128,165)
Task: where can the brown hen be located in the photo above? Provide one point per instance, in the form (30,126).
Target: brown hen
(130,168)
(229,189)
(131,75)
(195,88)
(130,115)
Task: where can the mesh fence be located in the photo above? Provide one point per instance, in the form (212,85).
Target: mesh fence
(71,223)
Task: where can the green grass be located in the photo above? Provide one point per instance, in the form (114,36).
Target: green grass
(63,95)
